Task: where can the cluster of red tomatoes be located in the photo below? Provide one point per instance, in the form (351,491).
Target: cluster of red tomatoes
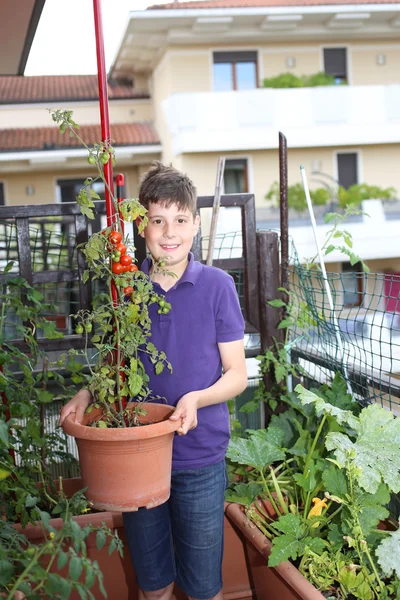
(121,262)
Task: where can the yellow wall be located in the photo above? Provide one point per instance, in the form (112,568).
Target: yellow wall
(263,167)
(366,71)
(38,116)
(190,72)
(190,67)
(161,88)
(45,184)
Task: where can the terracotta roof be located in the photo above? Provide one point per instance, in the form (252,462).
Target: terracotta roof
(50,138)
(260,3)
(56,88)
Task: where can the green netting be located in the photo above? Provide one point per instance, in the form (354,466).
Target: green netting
(360,337)
(53,248)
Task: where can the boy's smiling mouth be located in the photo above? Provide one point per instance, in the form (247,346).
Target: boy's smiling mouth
(170,247)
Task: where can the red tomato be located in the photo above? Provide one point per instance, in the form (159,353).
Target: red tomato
(121,248)
(128,290)
(115,237)
(133,268)
(117,268)
(126,260)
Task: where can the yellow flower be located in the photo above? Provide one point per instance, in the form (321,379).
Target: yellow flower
(52,535)
(85,510)
(319,506)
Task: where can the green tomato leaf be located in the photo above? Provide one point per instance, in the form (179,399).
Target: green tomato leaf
(75,568)
(4,433)
(6,572)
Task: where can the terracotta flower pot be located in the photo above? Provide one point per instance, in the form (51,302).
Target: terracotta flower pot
(126,468)
(284,581)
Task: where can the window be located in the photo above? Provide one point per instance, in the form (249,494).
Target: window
(2,195)
(68,190)
(235,177)
(335,63)
(353,284)
(234,71)
(347,169)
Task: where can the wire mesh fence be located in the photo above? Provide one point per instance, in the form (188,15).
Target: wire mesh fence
(360,337)
(53,247)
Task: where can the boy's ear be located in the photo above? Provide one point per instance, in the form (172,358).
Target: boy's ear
(197,223)
(138,224)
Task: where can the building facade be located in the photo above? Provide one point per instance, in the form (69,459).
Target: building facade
(187,87)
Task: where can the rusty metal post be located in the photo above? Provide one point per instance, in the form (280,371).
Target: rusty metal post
(269,282)
(284,213)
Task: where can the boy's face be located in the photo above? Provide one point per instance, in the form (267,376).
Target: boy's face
(169,234)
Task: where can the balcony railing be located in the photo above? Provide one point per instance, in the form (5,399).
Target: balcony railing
(309,117)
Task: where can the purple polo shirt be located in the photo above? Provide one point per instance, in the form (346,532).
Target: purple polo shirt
(205,311)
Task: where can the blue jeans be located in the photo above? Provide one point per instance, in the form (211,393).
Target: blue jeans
(182,540)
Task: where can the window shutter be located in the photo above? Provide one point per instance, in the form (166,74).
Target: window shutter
(234,57)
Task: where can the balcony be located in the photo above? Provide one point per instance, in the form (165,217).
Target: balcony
(309,117)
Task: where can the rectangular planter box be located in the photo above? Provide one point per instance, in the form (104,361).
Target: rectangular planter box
(283,582)
(119,577)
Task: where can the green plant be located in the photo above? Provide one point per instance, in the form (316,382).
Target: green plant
(119,324)
(290,80)
(356,193)
(332,468)
(32,569)
(330,243)
(350,197)
(296,196)
(28,454)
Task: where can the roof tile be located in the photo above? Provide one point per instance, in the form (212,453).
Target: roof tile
(56,88)
(50,138)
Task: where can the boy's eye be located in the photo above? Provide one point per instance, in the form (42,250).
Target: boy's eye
(181,220)
(156,221)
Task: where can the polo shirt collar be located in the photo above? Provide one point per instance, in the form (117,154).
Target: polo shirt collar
(190,275)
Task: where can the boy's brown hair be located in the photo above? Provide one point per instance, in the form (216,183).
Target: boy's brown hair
(163,184)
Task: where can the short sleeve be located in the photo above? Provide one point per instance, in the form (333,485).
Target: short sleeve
(229,318)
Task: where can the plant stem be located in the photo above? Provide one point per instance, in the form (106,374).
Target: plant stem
(279,492)
(270,497)
(314,444)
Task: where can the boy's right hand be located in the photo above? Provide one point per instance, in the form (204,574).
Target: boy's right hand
(77,405)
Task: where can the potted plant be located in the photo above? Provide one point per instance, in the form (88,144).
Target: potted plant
(326,470)
(125,448)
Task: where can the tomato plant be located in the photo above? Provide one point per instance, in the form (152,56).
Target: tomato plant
(133,268)
(128,290)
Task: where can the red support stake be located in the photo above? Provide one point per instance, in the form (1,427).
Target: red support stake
(104,118)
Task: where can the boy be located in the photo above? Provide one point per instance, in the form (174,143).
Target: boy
(182,540)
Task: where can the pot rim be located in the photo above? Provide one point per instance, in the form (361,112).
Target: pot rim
(116,434)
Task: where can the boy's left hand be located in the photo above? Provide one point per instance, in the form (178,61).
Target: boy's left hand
(186,409)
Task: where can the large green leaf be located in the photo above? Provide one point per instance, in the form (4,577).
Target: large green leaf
(322,407)
(261,449)
(334,481)
(375,453)
(388,554)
